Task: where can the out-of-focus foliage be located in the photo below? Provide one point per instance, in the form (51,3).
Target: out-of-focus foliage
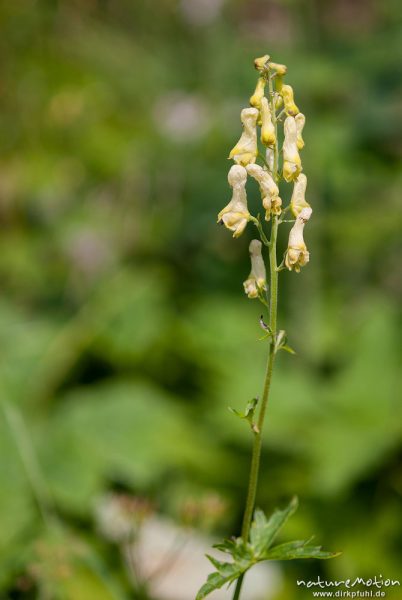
(124,332)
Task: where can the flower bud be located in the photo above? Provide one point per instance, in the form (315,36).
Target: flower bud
(269,190)
(297,255)
(298,200)
(261,63)
(256,98)
(300,121)
(291,158)
(278,100)
(268,137)
(246,151)
(257,280)
(235,215)
(287,95)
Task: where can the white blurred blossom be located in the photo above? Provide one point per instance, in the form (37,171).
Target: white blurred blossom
(181,116)
(178,556)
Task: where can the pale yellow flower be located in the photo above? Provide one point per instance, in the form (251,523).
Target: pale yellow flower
(298,200)
(291,157)
(246,151)
(287,95)
(297,255)
(268,188)
(267,127)
(235,215)
(261,63)
(300,122)
(280,72)
(258,95)
(278,68)
(257,280)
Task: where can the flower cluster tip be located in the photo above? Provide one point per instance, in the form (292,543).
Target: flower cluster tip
(271,103)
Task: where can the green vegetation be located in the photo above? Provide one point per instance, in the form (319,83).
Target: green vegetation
(123,332)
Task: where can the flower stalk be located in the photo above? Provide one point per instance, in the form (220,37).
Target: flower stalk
(267,112)
(273,312)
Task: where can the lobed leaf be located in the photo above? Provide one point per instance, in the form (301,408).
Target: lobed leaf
(263,531)
(227,573)
(262,534)
(298,549)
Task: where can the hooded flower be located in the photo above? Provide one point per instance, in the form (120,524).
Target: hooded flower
(297,255)
(269,190)
(298,200)
(278,68)
(258,95)
(262,62)
(280,71)
(291,158)
(245,151)
(235,215)
(287,95)
(300,122)
(257,280)
(268,137)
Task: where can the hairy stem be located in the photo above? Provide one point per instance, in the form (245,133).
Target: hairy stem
(273,305)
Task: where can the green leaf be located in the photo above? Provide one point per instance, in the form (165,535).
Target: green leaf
(263,531)
(281,342)
(280,339)
(287,348)
(81,447)
(237,549)
(228,572)
(250,408)
(248,414)
(298,549)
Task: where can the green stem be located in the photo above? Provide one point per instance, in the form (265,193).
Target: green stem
(273,306)
(257,445)
(257,223)
(237,591)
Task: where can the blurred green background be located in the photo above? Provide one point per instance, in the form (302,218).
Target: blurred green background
(125,333)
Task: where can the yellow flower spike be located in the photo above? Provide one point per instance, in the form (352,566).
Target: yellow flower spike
(268,188)
(287,95)
(268,137)
(300,122)
(298,200)
(246,151)
(297,255)
(257,280)
(291,157)
(235,215)
(256,98)
(261,63)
